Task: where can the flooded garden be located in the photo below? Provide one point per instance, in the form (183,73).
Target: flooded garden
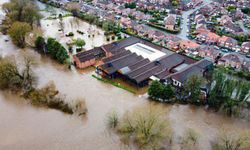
(24,126)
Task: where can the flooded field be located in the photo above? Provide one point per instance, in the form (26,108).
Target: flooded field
(93,36)
(25,127)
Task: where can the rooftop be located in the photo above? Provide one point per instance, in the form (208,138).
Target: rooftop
(145,51)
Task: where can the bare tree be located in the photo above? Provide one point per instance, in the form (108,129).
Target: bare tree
(147,127)
(233,140)
(189,140)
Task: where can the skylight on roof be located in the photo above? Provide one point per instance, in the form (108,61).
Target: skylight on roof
(146,51)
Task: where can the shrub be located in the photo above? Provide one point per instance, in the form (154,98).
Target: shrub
(233,140)
(80,32)
(80,43)
(189,140)
(49,96)
(112,119)
(18,31)
(10,78)
(147,127)
(40,43)
(13,78)
(70,34)
(158,91)
(56,50)
(79,107)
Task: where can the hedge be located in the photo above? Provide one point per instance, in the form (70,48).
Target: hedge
(114,83)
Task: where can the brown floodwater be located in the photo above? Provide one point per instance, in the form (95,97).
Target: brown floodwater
(26,127)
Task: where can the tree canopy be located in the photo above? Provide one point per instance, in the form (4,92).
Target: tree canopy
(18,31)
(160,92)
(12,77)
(56,50)
(193,87)
(22,11)
(40,43)
(80,43)
(228,93)
(131,5)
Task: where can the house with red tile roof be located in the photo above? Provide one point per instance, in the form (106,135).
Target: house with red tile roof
(208,52)
(199,17)
(245,47)
(170,22)
(227,42)
(127,11)
(225,19)
(156,35)
(126,22)
(141,30)
(232,60)
(208,37)
(188,44)
(173,45)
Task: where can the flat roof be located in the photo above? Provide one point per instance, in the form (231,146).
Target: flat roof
(145,51)
(181,67)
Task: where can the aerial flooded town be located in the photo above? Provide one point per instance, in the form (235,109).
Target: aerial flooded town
(124,74)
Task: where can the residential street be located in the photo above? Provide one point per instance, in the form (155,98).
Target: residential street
(185,14)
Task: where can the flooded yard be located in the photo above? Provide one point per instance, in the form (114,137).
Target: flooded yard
(91,34)
(25,127)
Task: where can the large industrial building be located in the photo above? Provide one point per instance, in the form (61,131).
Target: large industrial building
(139,61)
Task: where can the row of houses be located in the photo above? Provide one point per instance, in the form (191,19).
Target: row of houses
(209,37)
(237,3)
(169,41)
(214,16)
(233,60)
(161,5)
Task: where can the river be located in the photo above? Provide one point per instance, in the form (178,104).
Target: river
(25,127)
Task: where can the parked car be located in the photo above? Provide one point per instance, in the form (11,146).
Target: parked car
(224,50)
(216,47)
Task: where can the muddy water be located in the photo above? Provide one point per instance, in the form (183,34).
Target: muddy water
(93,36)
(25,127)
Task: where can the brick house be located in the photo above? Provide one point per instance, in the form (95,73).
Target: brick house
(245,47)
(232,60)
(170,22)
(208,52)
(227,42)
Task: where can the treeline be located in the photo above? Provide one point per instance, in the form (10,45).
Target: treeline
(244,74)
(188,93)
(52,47)
(50,3)
(246,10)
(131,5)
(110,27)
(228,94)
(223,93)
(21,16)
(21,79)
